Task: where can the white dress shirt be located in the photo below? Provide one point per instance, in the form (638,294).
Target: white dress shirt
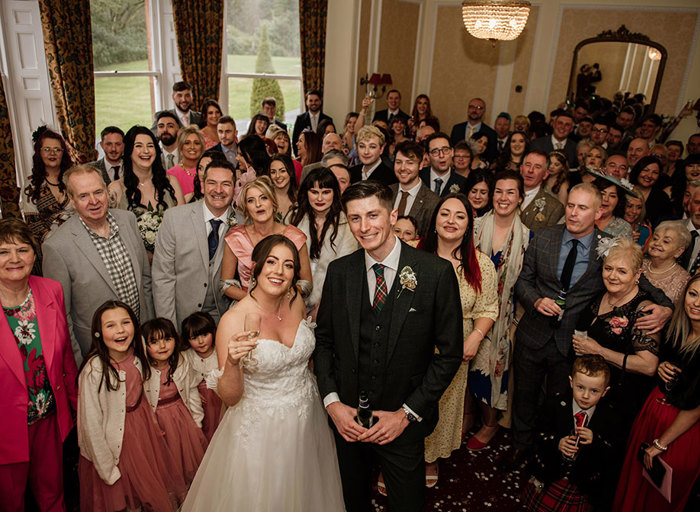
(412,194)
(444,177)
(558,144)
(529,196)
(208,215)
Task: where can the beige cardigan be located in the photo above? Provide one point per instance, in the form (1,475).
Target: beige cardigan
(101,416)
(186,384)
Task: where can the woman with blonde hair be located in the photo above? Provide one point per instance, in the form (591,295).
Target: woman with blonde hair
(259,207)
(190,146)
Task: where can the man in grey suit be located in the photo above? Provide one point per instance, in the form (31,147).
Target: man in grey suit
(182,97)
(190,247)
(410,195)
(562,126)
(561,261)
(110,165)
(96,255)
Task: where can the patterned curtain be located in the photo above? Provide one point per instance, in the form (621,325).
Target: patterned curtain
(68,44)
(312,30)
(9,193)
(199,29)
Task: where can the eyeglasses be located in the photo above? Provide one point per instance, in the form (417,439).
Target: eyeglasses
(55,151)
(600,130)
(476,107)
(456,156)
(439,151)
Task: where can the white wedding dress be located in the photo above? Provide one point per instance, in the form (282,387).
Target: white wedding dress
(274,449)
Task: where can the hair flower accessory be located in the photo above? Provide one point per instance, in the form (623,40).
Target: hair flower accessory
(604,246)
(408,280)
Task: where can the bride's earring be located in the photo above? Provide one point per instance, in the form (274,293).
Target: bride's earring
(289,293)
(252,282)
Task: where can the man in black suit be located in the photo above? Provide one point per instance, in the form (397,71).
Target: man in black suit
(311,118)
(269,108)
(370,145)
(110,165)
(393,102)
(411,196)
(562,126)
(475,124)
(182,97)
(439,177)
(384,311)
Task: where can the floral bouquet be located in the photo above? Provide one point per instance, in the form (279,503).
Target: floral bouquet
(149,222)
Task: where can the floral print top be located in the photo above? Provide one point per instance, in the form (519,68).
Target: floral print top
(25,327)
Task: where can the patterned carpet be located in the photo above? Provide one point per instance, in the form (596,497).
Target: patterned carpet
(472,481)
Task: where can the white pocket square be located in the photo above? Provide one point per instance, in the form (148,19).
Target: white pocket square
(412,310)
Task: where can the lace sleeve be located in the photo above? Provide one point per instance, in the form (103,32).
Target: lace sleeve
(641,342)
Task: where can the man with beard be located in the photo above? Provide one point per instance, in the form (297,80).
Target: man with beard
(182,97)
(112,143)
(228,139)
(167,128)
(474,124)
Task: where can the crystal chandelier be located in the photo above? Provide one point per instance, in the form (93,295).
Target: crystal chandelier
(495,19)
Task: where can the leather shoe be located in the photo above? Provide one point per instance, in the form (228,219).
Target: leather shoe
(517,459)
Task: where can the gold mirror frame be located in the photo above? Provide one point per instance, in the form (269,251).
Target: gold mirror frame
(621,35)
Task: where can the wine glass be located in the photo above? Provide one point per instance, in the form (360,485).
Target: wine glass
(251,324)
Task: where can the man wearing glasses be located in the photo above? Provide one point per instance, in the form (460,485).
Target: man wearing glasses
(439,177)
(474,124)
(599,134)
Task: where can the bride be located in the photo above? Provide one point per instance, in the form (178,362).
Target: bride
(273,449)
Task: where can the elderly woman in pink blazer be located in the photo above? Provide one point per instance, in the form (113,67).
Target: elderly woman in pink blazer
(37,376)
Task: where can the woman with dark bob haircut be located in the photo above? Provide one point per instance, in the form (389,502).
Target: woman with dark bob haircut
(645,176)
(38,376)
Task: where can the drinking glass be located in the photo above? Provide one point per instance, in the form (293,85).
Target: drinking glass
(251,324)
(580,334)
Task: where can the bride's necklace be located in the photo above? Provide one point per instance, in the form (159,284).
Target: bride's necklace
(279,317)
(673,264)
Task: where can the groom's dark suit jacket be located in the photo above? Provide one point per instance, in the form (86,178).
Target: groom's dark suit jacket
(421,320)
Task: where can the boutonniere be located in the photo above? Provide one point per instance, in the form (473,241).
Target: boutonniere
(618,321)
(540,203)
(454,189)
(407,279)
(231,219)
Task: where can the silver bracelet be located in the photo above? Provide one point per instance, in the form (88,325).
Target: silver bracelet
(480,332)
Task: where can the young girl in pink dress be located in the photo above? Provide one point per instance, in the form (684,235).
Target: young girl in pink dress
(173,395)
(124,462)
(198,334)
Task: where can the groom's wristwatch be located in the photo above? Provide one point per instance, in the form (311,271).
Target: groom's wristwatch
(409,415)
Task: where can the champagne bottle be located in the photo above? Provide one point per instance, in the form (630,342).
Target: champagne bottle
(364,413)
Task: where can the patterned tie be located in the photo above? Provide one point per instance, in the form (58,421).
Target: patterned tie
(438,185)
(169,162)
(470,132)
(568,269)
(380,292)
(402,203)
(115,171)
(580,418)
(213,238)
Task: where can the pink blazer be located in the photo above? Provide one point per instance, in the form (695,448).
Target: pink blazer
(60,365)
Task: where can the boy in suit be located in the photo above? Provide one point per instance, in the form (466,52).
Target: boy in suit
(577,439)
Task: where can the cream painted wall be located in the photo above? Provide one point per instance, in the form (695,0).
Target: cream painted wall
(535,73)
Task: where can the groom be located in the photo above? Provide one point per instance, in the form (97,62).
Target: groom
(384,311)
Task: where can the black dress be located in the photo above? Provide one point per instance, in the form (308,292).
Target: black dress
(615,330)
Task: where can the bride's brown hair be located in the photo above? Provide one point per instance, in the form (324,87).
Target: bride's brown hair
(262,251)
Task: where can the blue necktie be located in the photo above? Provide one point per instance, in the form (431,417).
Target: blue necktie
(214,236)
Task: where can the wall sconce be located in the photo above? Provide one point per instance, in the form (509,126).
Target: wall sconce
(375,81)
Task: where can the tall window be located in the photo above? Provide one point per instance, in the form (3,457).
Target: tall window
(124,76)
(263,58)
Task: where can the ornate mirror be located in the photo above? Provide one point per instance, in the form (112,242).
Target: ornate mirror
(617,61)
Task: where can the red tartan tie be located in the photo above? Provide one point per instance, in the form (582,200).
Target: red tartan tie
(380,291)
(580,418)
